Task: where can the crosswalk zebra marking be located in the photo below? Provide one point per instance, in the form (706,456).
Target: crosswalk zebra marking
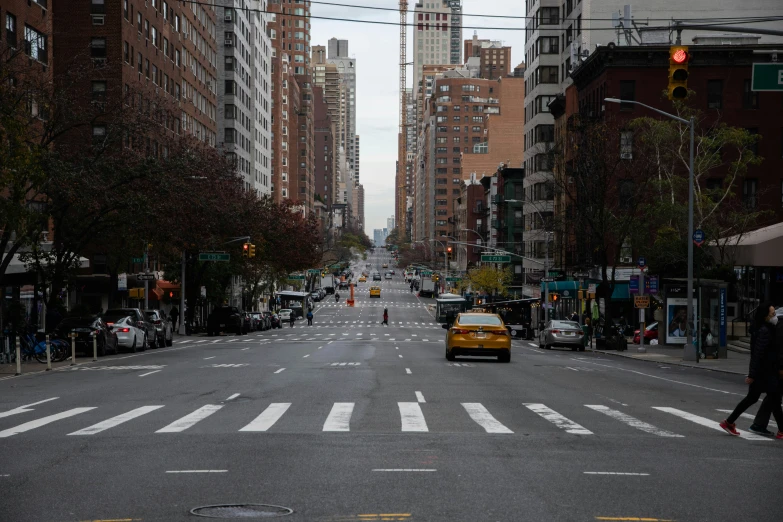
(24,409)
(707,423)
(632,421)
(190,419)
(748,416)
(115,421)
(412,417)
(558,420)
(31,425)
(339,418)
(268,417)
(483,418)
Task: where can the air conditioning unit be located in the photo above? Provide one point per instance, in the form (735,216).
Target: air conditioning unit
(227,17)
(626,260)
(229,43)
(626,155)
(98,19)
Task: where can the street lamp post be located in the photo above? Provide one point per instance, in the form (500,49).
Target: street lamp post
(690,354)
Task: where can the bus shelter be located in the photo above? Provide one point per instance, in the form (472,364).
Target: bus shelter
(447,306)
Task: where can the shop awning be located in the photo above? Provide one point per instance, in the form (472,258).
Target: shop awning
(761,247)
(561,287)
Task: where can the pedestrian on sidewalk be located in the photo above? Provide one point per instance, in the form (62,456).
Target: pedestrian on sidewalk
(772,400)
(386,316)
(309,318)
(174,314)
(763,372)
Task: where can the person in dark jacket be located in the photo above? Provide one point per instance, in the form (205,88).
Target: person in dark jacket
(772,400)
(763,372)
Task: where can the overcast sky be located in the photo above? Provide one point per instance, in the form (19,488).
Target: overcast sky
(376,49)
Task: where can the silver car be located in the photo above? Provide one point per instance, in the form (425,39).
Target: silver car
(567,334)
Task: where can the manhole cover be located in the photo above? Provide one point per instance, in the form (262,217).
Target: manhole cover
(241,511)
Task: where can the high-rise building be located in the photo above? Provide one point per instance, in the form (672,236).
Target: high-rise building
(390,223)
(326,77)
(244,92)
(324,143)
(437,35)
(346,67)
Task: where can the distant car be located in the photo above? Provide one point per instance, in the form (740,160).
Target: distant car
(650,333)
(362,279)
(247,323)
(259,321)
(315,295)
(376,276)
(375,291)
(385,265)
(225,319)
(85,329)
(285,315)
(388,275)
(130,336)
(274,320)
(392,272)
(142,321)
(344,285)
(567,334)
(163,328)
(478,334)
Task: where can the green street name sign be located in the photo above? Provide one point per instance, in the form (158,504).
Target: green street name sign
(294,277)
(313,271)
(137,260)
(214,256)
(767,77)
(495,259)
(453,279)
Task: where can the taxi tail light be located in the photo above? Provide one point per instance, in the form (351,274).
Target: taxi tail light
(122,330)
(500,332)
(459,331)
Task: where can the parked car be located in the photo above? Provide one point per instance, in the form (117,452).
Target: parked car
(285,314)
(562,333)
(650,333)
(130,336)
(262,322)
(275,320)
(85,329)
(269,317)
(163,328)
(142,322)
(315,295)
(225,319)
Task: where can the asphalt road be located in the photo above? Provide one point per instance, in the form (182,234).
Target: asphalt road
(351,420)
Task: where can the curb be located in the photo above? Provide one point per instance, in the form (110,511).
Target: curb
(719,370)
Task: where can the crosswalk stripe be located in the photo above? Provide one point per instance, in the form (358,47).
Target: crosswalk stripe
(31,425)
(339,418)
(707,423)
(190,419)
(772,424)
(24,409)
(558,420)
(268,417)
(115,421)
(632,421)
(483,418)
(412,417)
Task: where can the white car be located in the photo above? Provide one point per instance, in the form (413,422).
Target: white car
(129,336)
(285,314)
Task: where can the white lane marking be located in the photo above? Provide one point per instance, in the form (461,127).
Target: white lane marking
(396,347)
(114,421)
(330,342)
(208,358)
(772,424)
(420,397)
(533,345)
(483,418)
(616,473)
(268,417)
(149,373)
(198,471)
(558,420)
(632,421)
(408,371)
(280,370)
(399,355)
(243,349)
(27,426)
(24,409)
(412,417)
(570,368)
(306,356)
(320,347)
(707,423)
(190,419)
(233,397)
(339,418)
(406,469)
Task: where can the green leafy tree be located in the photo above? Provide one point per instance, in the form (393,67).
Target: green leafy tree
(490,280)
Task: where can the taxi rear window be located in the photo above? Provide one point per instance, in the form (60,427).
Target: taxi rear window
(490,320)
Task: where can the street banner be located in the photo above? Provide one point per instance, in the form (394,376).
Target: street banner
(122,282)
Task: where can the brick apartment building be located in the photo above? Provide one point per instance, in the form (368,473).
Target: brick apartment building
(324,148)
(27,26)
(494,57)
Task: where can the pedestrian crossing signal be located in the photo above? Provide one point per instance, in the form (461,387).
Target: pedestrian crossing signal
(678,72)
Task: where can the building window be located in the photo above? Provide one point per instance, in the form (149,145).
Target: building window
(544,133)
(154,36)
(126,52)
(10,30)
(547,45)
(125,8)
(35,44)
(749,193)
(547,74)
(627,92)
(548,16)
(147,68)
(98,48)
(714,94)
(99,90)
(750,99)
(138,61)
(98,7)
(754,133)
(98,132)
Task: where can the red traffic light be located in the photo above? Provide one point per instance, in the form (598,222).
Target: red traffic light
(448,250)
(246,246)
(680,56)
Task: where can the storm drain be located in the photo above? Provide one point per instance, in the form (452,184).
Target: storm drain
(241,511)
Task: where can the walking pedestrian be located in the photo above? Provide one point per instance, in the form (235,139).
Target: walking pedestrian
(386,316)
(763,372)
(772,400)
(309,318)
(174,314)
(575,317)
(292,318)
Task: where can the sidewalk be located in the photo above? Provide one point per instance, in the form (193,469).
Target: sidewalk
(9,370)
(736,363)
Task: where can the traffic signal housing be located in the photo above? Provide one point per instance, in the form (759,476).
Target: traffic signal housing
(448,249)
(678,72)
(246,250)
(251,251)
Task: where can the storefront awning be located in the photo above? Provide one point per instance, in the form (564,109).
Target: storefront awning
(761,247)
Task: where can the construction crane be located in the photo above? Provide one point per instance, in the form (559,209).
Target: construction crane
(402,138)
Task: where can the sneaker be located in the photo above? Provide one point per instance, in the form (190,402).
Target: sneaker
(758,430)
(730,428)
(779,435)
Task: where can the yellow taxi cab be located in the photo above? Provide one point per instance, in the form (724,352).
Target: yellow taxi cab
(375,291)
(479,334)
(385,265)
(362,279)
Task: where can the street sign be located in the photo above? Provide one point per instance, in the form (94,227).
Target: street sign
(495,259)
(452,279)
(651,284)
(633,284)
(698,237)
(313,271)
(581,275)
(641,301)
(767,77)
(591,289)
(122,281)
(214,256)
(642,262)
(547,279)
(137,260)
(294,277)
(148,276)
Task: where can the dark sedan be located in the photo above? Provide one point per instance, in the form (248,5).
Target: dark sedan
(85,329)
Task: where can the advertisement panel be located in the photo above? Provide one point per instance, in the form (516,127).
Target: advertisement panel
(676,319)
